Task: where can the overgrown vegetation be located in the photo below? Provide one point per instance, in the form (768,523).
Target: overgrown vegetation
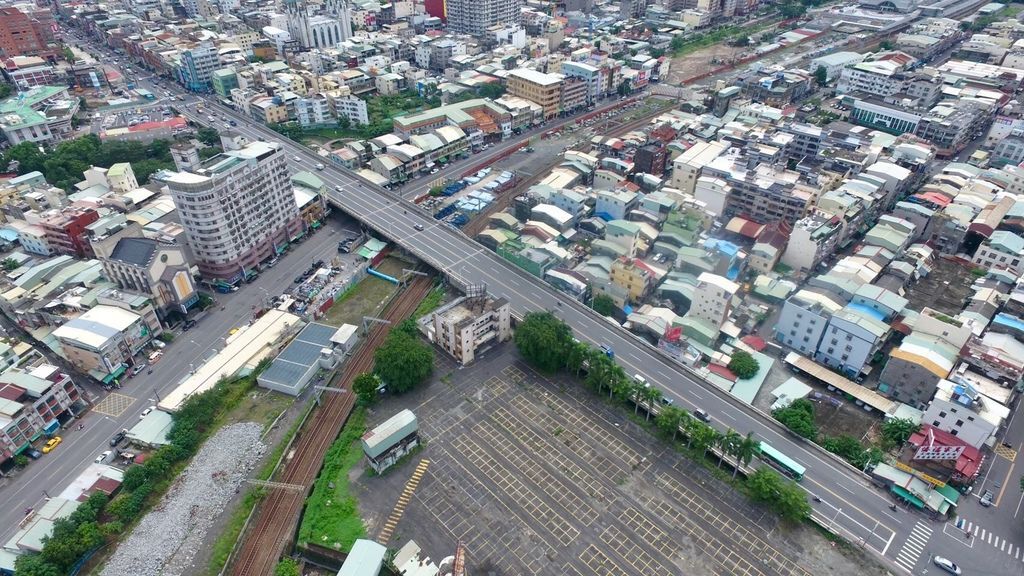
(380,110)
(603,305)
(547,343)
(544,340)
(332,517)
(287,567)
(798,416)
(432,301)
(143,484)
(404,361)
(63,165)
(681,46)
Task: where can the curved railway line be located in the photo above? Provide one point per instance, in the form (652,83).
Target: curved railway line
(275,518)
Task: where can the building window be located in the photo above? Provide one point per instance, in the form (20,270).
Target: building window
(941,415)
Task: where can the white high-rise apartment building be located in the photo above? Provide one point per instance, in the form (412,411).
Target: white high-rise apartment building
(237,209)
(474,17)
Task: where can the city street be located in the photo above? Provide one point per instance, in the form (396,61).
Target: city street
(53,472)
(850,504)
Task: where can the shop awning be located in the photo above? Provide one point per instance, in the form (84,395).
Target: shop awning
(315,224)
(906,495)
(116,373)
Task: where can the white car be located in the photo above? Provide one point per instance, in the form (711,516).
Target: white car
(338,188)
(146,412)
(102,458)
(296,158)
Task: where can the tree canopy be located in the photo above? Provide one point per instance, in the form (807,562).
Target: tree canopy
(63,165)
(743,365)
(798,417)
(603,305)
(821,76)
(897,431)
(782,495)
(365,387)
(403,361)
(543,340)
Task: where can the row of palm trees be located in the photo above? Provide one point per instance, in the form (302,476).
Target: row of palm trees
(604,375)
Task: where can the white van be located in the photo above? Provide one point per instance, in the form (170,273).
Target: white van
(641,380)
(320,166)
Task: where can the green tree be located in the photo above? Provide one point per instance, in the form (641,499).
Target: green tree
(677,44)
(69,56)
(625,87)
(403,361)
(703,437)
(35,565)
(821,76)
(847,448)
(211,137)
(543,340)
(5,90)
(134,477)
(600,372)
(21,460)
(746,449)
(576,356)
(728,443)
(798,417)
(897,431)
(652,396)
(491,91)
(792,10)
(888,45)
(669,420)
(28,156)
(287,567)
(365,387)
(764,484)
(743,365)
(603,305)
(791,503)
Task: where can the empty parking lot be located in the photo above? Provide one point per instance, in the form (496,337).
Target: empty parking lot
(536,476)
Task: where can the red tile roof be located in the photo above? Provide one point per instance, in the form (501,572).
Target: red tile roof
(755,342)
(11,392)
(722,371)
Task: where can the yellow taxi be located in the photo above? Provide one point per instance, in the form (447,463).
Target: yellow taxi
(51,444)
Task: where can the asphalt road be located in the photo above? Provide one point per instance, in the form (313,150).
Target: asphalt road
(54,472)
(853,506)
(848,499)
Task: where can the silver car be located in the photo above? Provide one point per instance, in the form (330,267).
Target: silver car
(946,565)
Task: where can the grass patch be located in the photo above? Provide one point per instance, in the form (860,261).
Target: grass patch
(429,303)
(332,517)
(260,406)
(365,298)
(701,41)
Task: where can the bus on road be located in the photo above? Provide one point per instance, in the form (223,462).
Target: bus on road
(781,462)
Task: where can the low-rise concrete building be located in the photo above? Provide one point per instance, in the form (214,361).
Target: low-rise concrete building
(469,325)
(392,439)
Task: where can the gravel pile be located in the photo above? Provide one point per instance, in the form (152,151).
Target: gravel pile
(164,543)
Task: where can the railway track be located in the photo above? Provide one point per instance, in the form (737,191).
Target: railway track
(277,515)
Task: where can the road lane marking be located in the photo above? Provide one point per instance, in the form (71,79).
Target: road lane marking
(1009,474)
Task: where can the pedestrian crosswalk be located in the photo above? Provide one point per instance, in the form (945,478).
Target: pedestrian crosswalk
(913,547)
(979,534)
